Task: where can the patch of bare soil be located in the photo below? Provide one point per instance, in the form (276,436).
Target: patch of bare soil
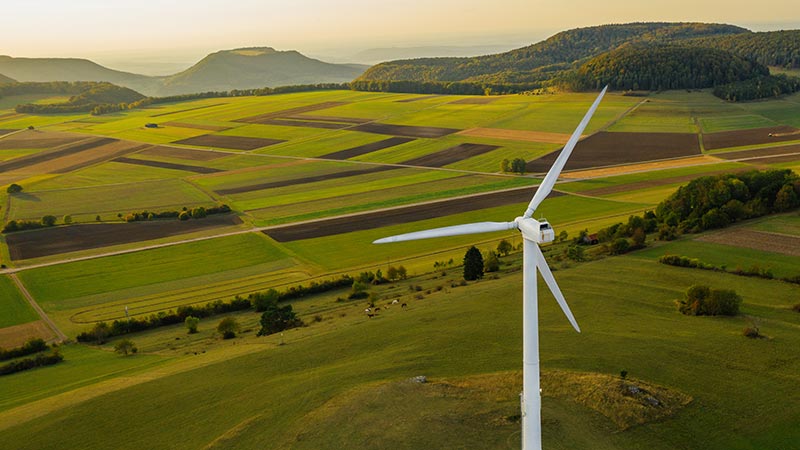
(451,155)
(167,165)
(609,148)
(367,148)
(755,240)
(400,215)
(183,153)
(65,239)
(233,142)
(739,138)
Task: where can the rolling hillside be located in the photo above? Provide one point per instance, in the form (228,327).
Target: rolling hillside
(4,79)
(772,48)
(256,67)
(538,61)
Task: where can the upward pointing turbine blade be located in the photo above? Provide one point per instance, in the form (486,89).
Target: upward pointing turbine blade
(456,230)
(544,269)
(552,175)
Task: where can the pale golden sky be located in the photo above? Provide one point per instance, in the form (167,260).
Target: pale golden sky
(168,27)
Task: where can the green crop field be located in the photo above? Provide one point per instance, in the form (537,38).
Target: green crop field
(14,309)
(85,203)
(340,381)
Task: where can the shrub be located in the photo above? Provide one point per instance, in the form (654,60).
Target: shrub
(505,247)
(30,363)
(184,215)
(49,220)
(228,327)
(619,246)
(198,213)
(751,332)
(14,188)
(33,345)
(191,323)
(491,263)
(67,219)
(125,347)
(279,318)
(262,300)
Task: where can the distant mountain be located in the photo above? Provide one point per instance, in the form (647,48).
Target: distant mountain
(540,61)
(256,67)
(225,70)
(376,55)
(73,69)
(5,79)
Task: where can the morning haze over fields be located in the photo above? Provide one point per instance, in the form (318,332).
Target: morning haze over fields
(190,195)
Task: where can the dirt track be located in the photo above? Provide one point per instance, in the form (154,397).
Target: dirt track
(367,148)
(739,138)
(64,239)
(234,142)
(451,155)
(166,165)
(607,149)
(400,215)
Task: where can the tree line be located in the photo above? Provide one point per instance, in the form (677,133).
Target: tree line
(34,346)
(758,87)
(773,48)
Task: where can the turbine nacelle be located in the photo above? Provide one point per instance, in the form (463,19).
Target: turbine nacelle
(538,231)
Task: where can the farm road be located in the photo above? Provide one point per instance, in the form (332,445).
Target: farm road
(61,336)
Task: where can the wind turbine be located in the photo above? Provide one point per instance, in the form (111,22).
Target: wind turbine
(534,232)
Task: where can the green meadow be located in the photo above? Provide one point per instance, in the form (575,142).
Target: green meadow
(14,309)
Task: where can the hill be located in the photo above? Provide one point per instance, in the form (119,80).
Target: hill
(4,79)
(72,69)
(85,96)
(255,67)
(537,62)
(664,67)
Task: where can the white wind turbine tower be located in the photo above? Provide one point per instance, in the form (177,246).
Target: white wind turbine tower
(534,232)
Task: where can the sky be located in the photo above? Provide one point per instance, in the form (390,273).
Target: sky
(175,32)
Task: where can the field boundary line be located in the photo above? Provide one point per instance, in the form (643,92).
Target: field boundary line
(61,336)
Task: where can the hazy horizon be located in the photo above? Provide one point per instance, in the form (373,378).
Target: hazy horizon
(167,35)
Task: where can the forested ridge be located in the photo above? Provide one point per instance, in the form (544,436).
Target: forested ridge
(84,95)
(537,62)
(660,67)
(772,48)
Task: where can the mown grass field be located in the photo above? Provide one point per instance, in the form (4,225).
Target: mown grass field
(466,331)
(14,309)
(337,382)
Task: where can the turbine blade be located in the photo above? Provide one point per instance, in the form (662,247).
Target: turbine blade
(551,283)
(552,175)
(457,230)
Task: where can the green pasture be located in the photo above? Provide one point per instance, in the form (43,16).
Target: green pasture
(562,113)
(656,114)
(735,122)
(785,111)
(106,174)
(272,170)
(783,224)
(730,256)
(88,201)
(460,332)
(83,366)
(334,252)
(368,199)
(14,309)
(315,145)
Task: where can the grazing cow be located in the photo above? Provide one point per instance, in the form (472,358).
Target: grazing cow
(370,315)
(377,309)
(403,305)
(395,301)
(367,310)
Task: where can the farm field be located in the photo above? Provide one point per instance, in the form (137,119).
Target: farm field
(312,179)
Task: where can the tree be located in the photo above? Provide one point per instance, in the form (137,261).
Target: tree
(473,264)
(184,215)
(49,221)
(262,300)
(358,290)
(704,301)
(391,273)
(100,332)
(67,219)
(191,323)
(563,235)
(278,318)
(491,263)
(505,165)
(14,188)
(401,272)
(518,165)
(198,213)
(504,247)
(576,253)
(228,327)
(125,347)
(786,199)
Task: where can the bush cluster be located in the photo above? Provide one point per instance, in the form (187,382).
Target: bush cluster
(30,347)
(30,363)
(704,301)
(195,213)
